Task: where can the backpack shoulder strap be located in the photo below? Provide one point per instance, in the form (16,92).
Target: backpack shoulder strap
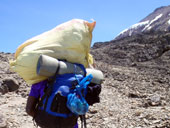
(47,92)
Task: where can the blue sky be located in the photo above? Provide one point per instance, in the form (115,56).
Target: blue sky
(23,19)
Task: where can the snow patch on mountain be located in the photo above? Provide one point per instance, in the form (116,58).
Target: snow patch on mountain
(169,21)
(148,27)
(123,31)
(139,24)
(135,26)
(157,21)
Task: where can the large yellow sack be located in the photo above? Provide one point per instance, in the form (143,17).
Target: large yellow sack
(70,41)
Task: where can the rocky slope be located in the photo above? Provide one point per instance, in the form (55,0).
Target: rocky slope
(135,93)
(137,82)
(136,90)
(157,21)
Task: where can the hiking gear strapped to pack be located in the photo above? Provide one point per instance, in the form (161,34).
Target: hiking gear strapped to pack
(47,66)
(63,100)
(98,77)
(68,41)
(76,99)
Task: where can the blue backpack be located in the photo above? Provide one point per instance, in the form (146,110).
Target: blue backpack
(63,100)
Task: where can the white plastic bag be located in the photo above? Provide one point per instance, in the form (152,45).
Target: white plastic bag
(69,41)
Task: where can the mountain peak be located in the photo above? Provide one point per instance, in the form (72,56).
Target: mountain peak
(162,8)
(157,21)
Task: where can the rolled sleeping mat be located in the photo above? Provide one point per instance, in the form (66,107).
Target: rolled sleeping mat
(47,66)
(66,67)
(98,77)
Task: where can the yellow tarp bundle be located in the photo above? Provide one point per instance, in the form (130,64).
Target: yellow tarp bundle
(70,41)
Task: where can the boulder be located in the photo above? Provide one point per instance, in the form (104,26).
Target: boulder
(3,122)
(11,83)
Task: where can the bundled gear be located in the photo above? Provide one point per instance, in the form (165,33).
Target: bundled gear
(68,41)
(64,99)
(47,66)
(76,99)
(67,94)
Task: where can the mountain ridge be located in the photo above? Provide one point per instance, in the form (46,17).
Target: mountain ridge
(157,21)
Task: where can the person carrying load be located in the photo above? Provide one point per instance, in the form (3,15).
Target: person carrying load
(62,85)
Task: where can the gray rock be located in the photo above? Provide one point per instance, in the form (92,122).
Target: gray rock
(3,89)
(11,83)
(3,122)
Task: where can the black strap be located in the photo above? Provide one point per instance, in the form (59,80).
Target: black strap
(47,95)
(83,121)
(51,81)
(47,92)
